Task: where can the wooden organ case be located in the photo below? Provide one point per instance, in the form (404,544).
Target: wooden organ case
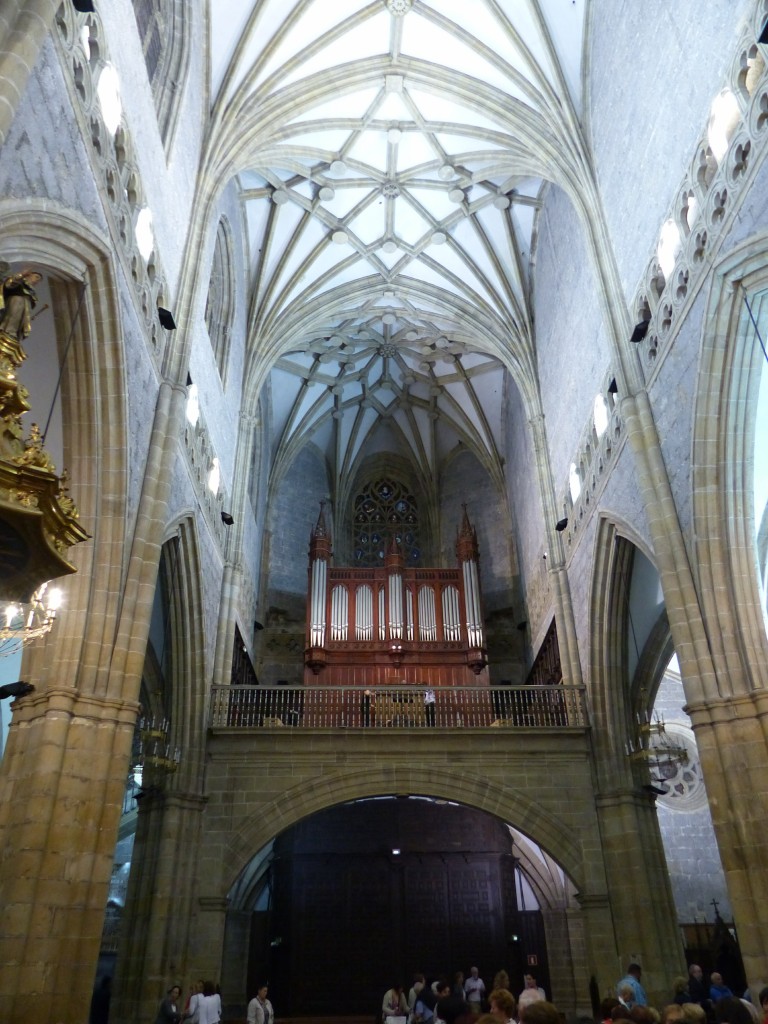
(392,625)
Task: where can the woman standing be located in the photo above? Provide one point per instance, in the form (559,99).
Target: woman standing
(210,1004)
(169,1011)
(260,1009)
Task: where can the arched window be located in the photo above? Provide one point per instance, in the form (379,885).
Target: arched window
(164,30)
(385,509)
(219,307)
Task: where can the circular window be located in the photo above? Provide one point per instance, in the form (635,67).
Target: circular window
(683,781)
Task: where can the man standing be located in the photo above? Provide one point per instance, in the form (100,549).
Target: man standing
(717,990)
(474,990)
(696,987)
(632,980)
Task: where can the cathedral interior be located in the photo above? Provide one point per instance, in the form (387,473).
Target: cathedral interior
(383,511)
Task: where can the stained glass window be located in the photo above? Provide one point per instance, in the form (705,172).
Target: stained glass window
(383,509)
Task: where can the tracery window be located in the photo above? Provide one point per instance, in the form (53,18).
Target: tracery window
(383,509)
(164,28)
(219,307)
(152,20)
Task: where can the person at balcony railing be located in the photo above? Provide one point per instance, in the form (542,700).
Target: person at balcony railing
(430,703)
(365,710)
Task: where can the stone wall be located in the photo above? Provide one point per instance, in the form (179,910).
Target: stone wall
(640,146)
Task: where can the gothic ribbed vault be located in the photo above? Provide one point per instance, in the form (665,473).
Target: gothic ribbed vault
(390,157)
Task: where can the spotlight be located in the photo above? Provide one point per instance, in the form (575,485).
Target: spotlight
(19,689)
(166,319)
(560,525)
(613,387)
(640,331)
(84,6)
(227,518)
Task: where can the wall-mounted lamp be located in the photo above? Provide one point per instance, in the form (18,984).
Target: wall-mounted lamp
(561,524)
(166,319)
(640,331)
(227,518)
(19,689)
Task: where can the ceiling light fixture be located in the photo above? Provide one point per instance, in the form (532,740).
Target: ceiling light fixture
(340,237)
(338,167)
(446,172)
(389,246)
(456,195)
(439,237)
(327,193)
(501,202)
(394,135)
(280,197)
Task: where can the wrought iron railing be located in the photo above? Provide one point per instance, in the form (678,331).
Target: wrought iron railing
(398,707)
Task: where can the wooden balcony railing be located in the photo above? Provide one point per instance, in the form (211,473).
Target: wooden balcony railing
(398,707)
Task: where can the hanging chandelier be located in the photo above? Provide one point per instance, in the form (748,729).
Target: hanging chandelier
(24,621)
(651,745)
(152,747)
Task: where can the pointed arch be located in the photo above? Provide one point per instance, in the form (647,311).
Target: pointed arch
(165,30)
(79,261)
(220,304)
(724,517)
(459,785)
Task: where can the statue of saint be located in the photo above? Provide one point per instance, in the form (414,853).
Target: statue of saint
(17,300)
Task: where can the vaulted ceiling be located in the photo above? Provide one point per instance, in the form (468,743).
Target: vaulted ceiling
(390,157)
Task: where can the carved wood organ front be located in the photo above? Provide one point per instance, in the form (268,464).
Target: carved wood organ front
(395,624)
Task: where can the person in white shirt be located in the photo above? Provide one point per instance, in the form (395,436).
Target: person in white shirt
(192,1014)
(531,993)
(209,1006)
(260,1009)
(474,990)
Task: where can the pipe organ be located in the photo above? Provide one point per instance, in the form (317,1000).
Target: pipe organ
(376,626)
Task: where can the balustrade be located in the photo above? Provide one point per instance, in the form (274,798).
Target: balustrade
(398,707)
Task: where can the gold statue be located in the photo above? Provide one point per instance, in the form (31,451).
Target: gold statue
(17,300)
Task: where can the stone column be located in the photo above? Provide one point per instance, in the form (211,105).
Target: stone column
(159,917)
(732,740)
(566,952)
(642,905)
(64,775)
(24,26)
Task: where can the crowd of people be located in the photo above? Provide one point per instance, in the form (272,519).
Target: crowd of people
(203,1005)
(694,1000)
(467,1001)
